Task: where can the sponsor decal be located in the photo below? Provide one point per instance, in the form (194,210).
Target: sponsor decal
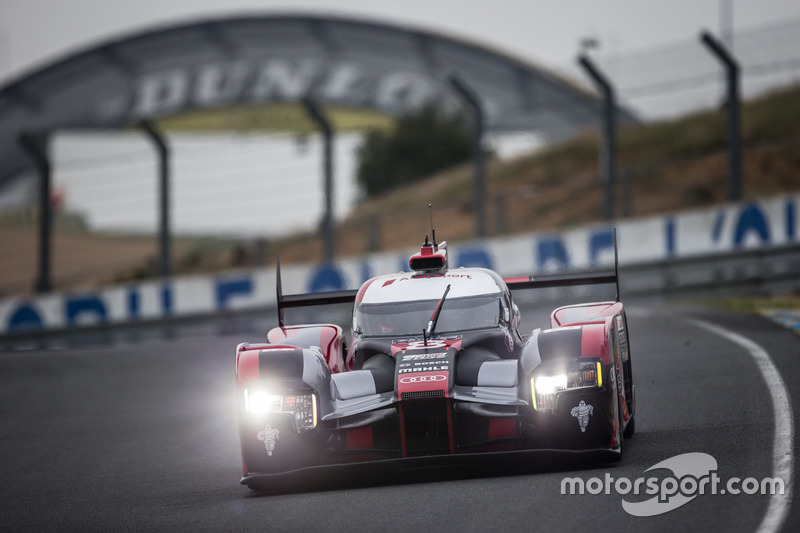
(509,342)
(438,275)
(421,345)
(425,368)
(417,343)
(451,339)
(424,356)
(269,436)
(427,275)
(423,379)
(582,412)
(218,84)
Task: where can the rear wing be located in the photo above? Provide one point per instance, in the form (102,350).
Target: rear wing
(569,280)
(308,299)
(516,283)
(564,280)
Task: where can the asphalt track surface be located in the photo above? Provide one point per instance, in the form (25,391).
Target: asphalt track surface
(144,438)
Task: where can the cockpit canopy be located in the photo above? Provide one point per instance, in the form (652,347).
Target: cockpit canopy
(410,318)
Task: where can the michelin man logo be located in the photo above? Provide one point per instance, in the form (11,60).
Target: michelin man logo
(269,436)
(582,412)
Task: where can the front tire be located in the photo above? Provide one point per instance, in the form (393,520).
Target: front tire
(630,428)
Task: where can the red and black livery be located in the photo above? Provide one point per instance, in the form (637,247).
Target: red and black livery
(435,367)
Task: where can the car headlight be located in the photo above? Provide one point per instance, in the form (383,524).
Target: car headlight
(548,382)
(302,407)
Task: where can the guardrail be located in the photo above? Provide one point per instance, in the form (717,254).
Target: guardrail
(743,249)
(757,272)
(749,272)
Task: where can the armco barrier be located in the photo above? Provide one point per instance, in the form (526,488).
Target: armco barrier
(744,244)
(755,271)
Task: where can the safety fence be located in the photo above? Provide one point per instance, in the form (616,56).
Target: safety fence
(259,188)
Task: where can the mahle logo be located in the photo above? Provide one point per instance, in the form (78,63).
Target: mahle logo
(693,474)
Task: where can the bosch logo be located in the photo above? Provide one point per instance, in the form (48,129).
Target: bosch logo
(423,379)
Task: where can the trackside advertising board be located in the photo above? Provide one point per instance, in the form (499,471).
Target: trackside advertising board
(762,224)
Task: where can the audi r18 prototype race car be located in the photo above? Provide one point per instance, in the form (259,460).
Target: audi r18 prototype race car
(434,368)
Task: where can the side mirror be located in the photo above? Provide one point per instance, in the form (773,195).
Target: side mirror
(505,318)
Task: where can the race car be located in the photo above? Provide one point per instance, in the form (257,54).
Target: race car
(434,367)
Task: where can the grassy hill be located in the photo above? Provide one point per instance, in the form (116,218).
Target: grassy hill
(665,166)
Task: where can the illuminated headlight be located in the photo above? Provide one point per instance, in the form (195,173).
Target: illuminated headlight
(260,402)
(551,384)
(545,385)
(302,407)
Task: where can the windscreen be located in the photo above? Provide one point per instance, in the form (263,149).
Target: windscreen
(410,318)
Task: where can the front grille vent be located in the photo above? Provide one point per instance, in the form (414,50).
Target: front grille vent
(418,395)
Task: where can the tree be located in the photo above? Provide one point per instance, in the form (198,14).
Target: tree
(422,143)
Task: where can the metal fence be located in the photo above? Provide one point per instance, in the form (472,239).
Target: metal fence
(675,79)
(656,83)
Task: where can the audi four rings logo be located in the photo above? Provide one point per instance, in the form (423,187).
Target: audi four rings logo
(423,379)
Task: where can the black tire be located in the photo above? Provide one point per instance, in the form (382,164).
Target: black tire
(630,428)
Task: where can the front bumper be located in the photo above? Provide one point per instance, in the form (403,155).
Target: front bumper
(414,468)
(436,432)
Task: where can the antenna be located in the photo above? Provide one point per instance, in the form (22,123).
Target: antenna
(616,263)
(279,289)
(433,231)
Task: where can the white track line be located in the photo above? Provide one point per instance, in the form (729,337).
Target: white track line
(783,445)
